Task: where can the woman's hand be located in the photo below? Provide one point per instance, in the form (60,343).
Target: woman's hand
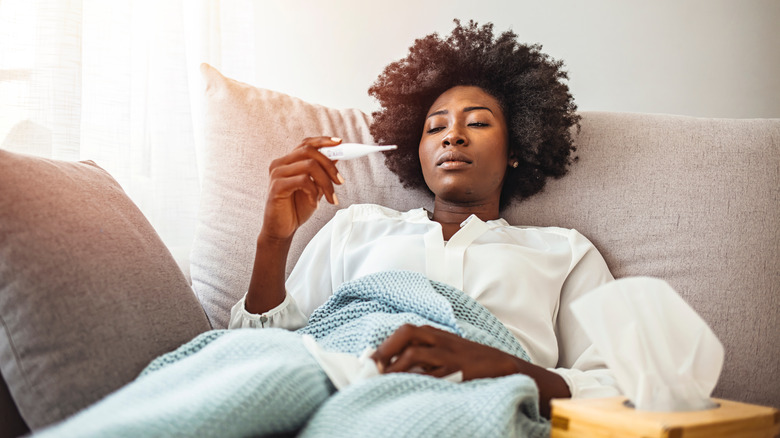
(297,182)
(428,350)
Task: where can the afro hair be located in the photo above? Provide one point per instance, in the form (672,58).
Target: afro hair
(528,84)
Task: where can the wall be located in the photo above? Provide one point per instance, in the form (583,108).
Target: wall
(708,58)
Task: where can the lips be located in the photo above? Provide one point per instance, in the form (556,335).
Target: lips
(453,157)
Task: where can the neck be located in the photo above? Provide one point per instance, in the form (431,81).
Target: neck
(447,213)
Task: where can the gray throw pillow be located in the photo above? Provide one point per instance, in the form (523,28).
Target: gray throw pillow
(89,294)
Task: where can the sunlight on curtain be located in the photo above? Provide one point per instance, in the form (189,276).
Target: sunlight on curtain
(117,82)
(136,108)
(39,77)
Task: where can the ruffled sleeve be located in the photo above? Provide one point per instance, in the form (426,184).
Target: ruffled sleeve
(286,315)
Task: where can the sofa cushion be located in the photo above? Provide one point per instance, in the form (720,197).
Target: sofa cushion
(247,128)
(89,294)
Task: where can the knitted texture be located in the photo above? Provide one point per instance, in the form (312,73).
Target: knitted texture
(263,382)
(411,405)
(365,311)
(188,349)
(236,383)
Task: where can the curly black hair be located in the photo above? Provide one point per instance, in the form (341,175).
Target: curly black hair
(528,85)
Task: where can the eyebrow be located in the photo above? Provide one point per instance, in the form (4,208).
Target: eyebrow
(465,110)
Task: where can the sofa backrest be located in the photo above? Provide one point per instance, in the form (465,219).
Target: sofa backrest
(694,202)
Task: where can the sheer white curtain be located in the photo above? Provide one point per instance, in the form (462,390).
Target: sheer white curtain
(117,82)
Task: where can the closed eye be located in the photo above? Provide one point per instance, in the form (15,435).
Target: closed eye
(478,124)
(435,129)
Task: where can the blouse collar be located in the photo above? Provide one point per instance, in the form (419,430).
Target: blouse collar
(493,223)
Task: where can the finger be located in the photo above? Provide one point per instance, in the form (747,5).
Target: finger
(415,358)
(404,336)
(309,152)
(315,172)
(288,186)
(320,141)
(393,345)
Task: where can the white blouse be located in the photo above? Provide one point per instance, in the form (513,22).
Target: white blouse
(526,276)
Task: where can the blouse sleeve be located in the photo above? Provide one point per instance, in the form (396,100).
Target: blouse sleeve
(579,363)
(286,315)
(307,287)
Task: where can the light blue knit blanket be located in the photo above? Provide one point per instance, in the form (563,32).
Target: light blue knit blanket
(263,382)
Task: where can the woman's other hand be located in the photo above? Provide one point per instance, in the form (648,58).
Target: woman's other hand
(297,182)
(435,352)
(428,350)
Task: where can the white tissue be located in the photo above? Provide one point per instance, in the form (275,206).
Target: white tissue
(345,369)
(664,356)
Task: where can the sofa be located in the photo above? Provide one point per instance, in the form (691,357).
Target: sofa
(89,294)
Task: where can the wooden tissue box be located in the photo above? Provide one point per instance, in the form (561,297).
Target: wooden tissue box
(610,417)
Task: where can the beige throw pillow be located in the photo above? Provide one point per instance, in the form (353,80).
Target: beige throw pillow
(247,128)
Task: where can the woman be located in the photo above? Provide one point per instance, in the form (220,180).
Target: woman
(480,122)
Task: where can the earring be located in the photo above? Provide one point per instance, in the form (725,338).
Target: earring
(515,163)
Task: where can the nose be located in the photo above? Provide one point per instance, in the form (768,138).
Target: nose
(454,138)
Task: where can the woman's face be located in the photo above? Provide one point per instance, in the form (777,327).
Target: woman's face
(463,149)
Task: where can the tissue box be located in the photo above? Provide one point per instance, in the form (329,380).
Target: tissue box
(611,417)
